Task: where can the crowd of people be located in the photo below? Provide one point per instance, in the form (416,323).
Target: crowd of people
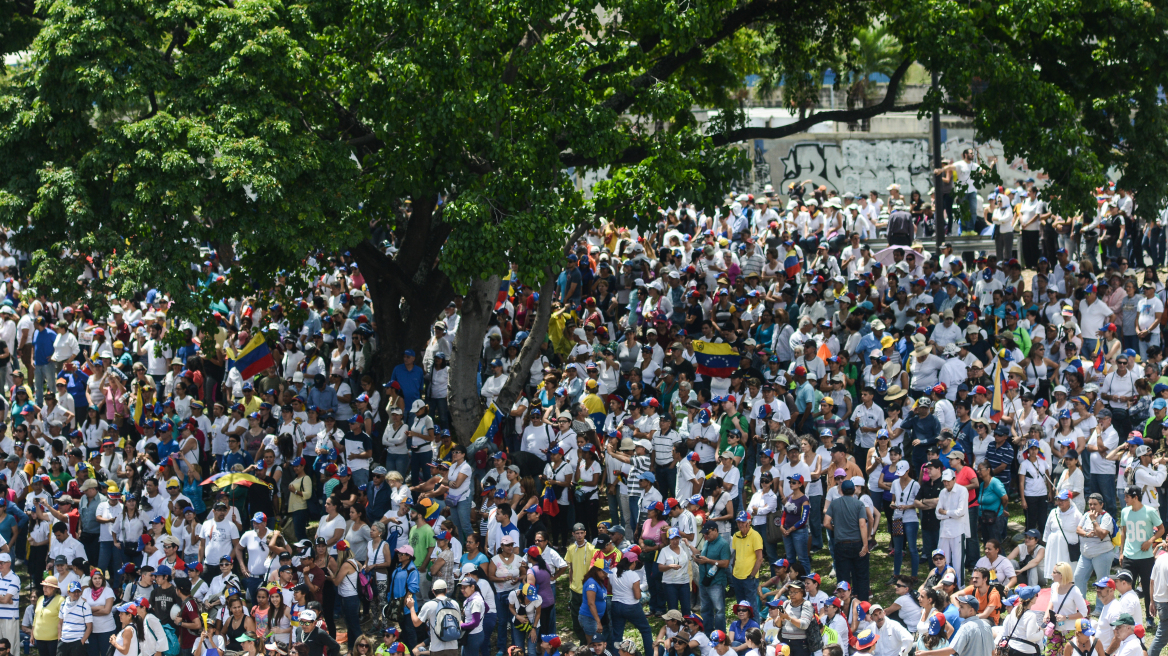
(719,399)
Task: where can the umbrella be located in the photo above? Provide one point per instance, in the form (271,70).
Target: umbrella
(885,256)
(237,478)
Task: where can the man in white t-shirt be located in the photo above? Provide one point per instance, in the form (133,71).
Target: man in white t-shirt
(429,614)
(219,537)
(255,544)
(1149,310)
(964,184)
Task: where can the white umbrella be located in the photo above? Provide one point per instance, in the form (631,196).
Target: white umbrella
(885,256)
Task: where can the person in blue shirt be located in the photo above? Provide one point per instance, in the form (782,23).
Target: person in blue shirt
(411,379)
(402,580)
(322,395)
(745,613)
(45,372)
(12,518)
(76,382)
(234,455)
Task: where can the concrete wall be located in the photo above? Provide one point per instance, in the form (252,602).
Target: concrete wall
(863,161)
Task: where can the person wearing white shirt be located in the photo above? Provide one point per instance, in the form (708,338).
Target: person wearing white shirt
(952,509)
(1149,311)
(894,639)
(1129,644)
(1094,314)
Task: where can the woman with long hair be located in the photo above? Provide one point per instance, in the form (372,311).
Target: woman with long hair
(796,512)
(322,559)
(126,641)
(539,573)
(101,601)
(502,571)
(933,637)
(280,617)
(344,576)
(237,625)
(1065,603)
(594,600)
(626,600)
(261,612)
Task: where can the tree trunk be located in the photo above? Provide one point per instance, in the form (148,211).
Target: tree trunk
(407,291)
(466,408)
(532,346)
(475,316)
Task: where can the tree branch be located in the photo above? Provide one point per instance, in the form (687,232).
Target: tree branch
(669,64)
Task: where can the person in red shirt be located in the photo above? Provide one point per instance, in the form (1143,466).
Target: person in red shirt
(190,621)
(965,476)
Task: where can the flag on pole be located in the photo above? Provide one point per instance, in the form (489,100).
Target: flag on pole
(489,425)
(504,290)
(254,358)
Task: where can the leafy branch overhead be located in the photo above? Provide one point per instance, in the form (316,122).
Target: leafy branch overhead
(276,129)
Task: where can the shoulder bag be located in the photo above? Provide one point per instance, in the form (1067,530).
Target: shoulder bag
(1073,549)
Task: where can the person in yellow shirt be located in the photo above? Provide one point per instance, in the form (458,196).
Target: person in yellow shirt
(579,556)
(746,544)
(45,622)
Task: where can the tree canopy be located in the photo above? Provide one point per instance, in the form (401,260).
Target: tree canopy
(274,129)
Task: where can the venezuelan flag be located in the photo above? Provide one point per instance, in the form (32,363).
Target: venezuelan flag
(489,425)
(254,358)
(716,360)
(792,264)
(504,290)
(549,504)
(1098,355)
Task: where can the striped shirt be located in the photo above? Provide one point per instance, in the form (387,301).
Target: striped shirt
(74,616)
(10,584)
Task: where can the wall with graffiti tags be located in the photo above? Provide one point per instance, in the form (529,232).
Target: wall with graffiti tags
(860,163)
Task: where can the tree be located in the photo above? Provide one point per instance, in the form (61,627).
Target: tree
(874,51)
(272,129)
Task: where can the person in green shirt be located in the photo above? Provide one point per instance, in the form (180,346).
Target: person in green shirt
(734,446)
(1140,528)
(421,539)
(731,419)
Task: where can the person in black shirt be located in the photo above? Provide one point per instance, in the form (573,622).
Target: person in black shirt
(927,504)
(530,523)
(163,596)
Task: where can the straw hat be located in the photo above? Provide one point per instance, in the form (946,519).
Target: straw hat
(51,581)
(894,392)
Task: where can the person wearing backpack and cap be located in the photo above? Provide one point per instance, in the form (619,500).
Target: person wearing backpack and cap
(442,617)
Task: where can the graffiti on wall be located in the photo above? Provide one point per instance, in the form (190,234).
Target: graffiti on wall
(860,165)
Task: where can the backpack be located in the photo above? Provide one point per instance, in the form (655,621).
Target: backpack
(815,633)
(447,621)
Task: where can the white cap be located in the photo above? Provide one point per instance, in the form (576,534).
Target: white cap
(858,481)
(947,475)
(902,468)
(1060,388)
